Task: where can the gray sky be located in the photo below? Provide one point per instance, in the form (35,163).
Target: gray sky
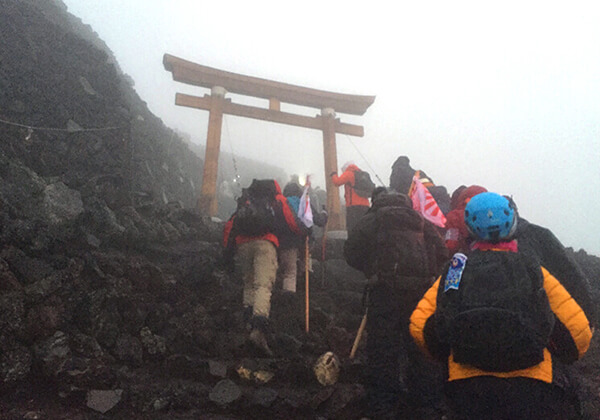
(505,95)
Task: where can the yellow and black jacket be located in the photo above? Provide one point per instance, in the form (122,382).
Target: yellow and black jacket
(569,340)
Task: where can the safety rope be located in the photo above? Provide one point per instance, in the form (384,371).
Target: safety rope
(366,161)
(235,168)
(69,130)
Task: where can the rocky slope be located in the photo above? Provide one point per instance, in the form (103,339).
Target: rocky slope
(113,302)
(111,298)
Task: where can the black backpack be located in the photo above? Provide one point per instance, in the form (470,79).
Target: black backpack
(499,319)
(255,215)
(363,185)
(401,251)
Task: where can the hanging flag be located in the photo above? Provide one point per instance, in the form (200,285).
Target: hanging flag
(304,211)
(424,203)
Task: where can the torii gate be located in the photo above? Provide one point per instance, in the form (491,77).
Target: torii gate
(220,82)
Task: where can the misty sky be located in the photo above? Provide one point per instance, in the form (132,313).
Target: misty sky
(506,95)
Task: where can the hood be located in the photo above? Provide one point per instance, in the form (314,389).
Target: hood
(402,162)
(455,196)
(292,189)
(467,194)
(391,199)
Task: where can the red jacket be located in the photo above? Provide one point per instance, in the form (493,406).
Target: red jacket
(347,180)
(457,235)
(286,214)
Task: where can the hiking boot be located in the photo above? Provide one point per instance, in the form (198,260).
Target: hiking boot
(258,334)
(259,340)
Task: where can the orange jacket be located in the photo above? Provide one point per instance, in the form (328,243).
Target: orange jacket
(347,180)
(567,312)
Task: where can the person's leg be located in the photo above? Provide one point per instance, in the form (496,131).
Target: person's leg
(265,271)
(532,399)
(245,265)
(424,378)
(289,268)
(353,214)
(477,398)
(489,397)
(383,345)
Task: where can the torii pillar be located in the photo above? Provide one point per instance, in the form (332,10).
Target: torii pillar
(207,202)
(335,220)
(220,82)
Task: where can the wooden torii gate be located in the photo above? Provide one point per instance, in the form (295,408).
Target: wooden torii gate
(220,82)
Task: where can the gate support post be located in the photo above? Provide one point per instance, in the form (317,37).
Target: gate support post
(207,202)
(335,221)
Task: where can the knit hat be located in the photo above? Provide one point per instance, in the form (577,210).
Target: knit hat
(345,165)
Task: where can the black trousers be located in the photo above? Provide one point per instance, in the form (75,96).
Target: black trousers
(491,398)
(353,214)
(400,378)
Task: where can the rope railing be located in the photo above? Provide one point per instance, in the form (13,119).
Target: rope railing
(66,130)
(366,161)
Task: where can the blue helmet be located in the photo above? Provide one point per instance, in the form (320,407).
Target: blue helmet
(491,217)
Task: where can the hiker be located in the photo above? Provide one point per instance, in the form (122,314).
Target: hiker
(454,202)
(252,233)
(290,243)
(292,186)
(457,236)
(500,321)
(320,197)
(402,175)
(401,180)
(553,256)
(401,254)
(533,239)
(357,199)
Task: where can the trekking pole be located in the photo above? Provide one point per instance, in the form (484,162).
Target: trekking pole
(363,322)
(359,335)
(306,275)
(323,246)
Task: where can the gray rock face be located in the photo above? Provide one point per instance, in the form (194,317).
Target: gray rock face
(218,369)
(53,352)
(15,361)
(264,397)
(12,307)
(225,392)
(153,344)
(129,349)
(21,188)
(102,401)
(61,203)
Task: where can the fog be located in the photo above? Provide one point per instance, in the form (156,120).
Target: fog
(504,95)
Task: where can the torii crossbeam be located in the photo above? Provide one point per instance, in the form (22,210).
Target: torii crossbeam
(220,82)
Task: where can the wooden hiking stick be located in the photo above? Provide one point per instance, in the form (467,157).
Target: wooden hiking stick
(306,275)
(359,335)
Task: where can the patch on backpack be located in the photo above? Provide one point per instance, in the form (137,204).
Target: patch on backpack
(457,266)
